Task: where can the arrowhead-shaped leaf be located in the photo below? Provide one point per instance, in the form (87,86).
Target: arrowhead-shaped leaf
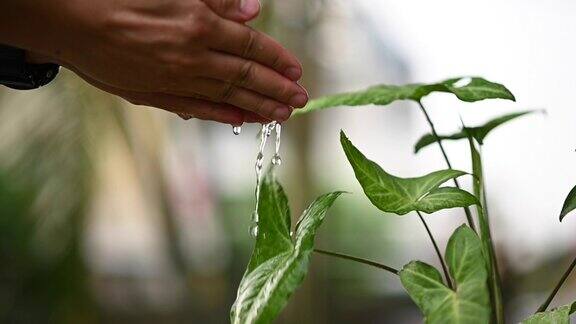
(466,89)
(279,262)
(403,195)
(470,302)
(560,315)
(478,133)
(569,204)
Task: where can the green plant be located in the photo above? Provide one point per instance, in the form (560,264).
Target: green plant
(469,291)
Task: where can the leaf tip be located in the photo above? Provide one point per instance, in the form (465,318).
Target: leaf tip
(463,227)
(345,141)
(563,215)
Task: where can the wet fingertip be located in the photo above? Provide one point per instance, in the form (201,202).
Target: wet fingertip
(299,100)
(236,120)
(282,113)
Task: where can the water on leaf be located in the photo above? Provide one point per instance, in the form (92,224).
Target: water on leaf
(254,230)
(276,160)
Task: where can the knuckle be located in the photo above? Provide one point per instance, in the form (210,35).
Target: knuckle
(249,47)
(197,31)
(277,61)
(261,107)
(247,73)
(173,63)
(199,25)
(285,91)
(227,93)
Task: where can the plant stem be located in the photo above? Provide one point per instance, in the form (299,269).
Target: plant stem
(359,260)
(494,281)
(485,233)
(545,305)
(439,141)
(444,267)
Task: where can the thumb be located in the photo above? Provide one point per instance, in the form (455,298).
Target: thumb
(236,10)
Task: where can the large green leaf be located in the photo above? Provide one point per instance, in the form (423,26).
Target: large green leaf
(466,89)
(403,195)
(279,262)
(569,204)
(560,315)
(478,133)
(470,302)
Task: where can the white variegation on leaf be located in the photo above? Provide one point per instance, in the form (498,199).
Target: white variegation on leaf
(469,303)
(279,262)
(560,315)
(469,89)
(403,195)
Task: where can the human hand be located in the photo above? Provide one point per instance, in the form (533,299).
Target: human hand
(188,57)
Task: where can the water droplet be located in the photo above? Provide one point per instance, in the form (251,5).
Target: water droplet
(291,233)
(259,165)
(264,134)
(269,128)
(236,130)
(276,159)
(254,230)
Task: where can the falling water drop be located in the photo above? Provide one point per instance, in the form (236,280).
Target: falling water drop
(276,160)
(264,134)
(236,130)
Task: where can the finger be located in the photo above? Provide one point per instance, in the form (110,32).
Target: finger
(250,117)
(254,76)
(195,108)
(236,10)
(219,91)
(185,107)
(241,40)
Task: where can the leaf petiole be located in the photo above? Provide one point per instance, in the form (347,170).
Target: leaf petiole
(359,260)
(444,267)
(565,276)
(445,155)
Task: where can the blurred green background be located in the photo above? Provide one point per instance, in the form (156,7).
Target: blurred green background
(111,213)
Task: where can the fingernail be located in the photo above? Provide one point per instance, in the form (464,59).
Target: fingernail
(185,116)
(299,100)
(293,73)
(249,7)
(281,113)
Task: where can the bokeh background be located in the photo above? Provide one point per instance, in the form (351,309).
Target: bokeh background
(111,213)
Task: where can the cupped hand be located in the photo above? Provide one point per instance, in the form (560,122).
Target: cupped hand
(196,58)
